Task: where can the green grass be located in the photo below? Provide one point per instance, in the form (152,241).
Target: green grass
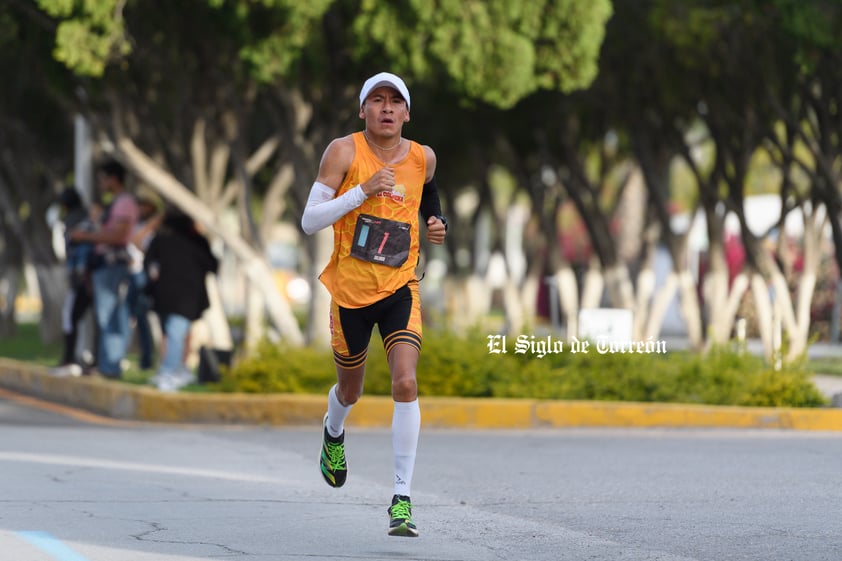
(26,345)
(827,366)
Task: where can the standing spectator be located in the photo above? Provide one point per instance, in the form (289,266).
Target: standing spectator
(150,217)
(177,263)
(110,267)
(78,298)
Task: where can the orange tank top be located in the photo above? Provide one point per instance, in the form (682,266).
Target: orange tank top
(353,282)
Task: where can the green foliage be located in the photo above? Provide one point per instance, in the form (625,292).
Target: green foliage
(462,366)
(496,51)
(89,35)
(812,23)
(25,344)
(277,368)
(9,30)
(456,366)
(280,29)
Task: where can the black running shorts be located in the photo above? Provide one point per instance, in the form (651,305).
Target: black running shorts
(398,318)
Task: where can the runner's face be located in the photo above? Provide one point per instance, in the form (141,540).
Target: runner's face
(384,111)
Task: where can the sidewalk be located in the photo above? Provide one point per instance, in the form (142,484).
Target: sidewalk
(830,386)
(129,402)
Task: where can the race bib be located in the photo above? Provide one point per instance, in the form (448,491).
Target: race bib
(381,241)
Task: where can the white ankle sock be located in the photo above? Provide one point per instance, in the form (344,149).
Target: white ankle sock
(406,425)
(336,413)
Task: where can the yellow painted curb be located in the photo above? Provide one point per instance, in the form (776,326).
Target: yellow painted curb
(130,402)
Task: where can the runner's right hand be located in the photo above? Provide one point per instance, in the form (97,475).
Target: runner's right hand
(382,180)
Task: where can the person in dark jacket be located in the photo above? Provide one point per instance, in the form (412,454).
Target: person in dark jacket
(78,298)
(177,262)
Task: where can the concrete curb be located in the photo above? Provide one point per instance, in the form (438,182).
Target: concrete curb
(128,402)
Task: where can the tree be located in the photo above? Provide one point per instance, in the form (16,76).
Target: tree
(142,80)
(808,141)
(489,56)
(746,63)
(35,152)
(181,135)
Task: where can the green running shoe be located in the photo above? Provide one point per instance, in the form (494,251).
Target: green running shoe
(332,459)
(400,518)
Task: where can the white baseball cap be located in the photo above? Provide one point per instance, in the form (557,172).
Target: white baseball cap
(384,79)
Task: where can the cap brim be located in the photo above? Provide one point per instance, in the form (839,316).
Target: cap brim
(381,80)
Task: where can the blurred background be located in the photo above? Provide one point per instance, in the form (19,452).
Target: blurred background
(678,159)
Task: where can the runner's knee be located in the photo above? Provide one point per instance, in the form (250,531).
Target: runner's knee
(404,387)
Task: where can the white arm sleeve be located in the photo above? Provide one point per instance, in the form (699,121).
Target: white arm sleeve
(323,208)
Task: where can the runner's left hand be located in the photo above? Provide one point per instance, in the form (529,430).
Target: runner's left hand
(435,231)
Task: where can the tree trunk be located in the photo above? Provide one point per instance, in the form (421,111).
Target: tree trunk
(644,308)
(765,316)
(468,301)
(619,286)
(513,307)
(318,326)
(52,286)
(813,235)
(11,260)
(593,285)
(529,296)
(631,217)
(219,332)
(716,294)
(255,329)
(652,312)
(568,296)
(690,309)
(516,266)
(792,317)
(253,265)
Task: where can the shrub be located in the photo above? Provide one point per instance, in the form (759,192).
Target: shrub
(452,365)
(278,368)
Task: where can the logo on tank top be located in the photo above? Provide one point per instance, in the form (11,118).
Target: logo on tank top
(397,194)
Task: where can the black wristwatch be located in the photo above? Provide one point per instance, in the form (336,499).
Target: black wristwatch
(443,220)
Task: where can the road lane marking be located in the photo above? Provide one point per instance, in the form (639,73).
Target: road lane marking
(50,545)
(76,461)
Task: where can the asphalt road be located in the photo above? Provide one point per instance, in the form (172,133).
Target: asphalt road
(76,488)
